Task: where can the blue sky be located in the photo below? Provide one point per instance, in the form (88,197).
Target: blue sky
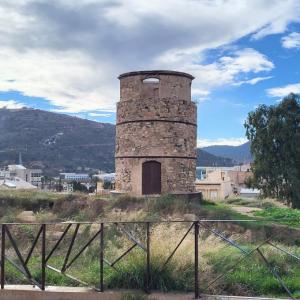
(65,57)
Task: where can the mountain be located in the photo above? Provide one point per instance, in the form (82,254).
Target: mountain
(61,143)
(55,142)
(240,154)
(206,159)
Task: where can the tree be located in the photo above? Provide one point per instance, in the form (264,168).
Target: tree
(79,187)
(274,132)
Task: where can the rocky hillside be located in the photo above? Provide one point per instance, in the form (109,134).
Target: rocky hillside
(57,142)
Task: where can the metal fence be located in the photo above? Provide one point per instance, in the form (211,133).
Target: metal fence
(40,243)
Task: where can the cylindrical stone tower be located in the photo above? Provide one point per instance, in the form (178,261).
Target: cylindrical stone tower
(155,134)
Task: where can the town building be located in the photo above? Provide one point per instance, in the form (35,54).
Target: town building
(217,183)
(216,186)
(156,134)
(33,176)
(202,172)
(4,174)
(79,177)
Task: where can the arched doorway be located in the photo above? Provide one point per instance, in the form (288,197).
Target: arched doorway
(151,178)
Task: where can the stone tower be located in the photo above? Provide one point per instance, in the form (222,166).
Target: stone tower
(156,134)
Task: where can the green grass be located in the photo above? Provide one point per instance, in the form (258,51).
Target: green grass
(252,276)
(286,216)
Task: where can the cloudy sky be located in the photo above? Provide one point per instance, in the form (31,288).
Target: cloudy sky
(65,55)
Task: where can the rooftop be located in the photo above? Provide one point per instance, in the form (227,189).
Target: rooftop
(156,73)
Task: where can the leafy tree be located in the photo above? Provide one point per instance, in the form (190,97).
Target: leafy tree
(274,132)
(78,187)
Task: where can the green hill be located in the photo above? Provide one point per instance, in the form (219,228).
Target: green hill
(57,142)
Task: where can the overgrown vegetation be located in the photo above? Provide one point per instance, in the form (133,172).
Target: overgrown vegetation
(286,216)
(250,277)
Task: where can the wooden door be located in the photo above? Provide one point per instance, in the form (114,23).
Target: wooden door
(151,178)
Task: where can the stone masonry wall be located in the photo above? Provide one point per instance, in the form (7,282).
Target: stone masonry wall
(172,87)
(156,121)
(158,109)
(155,139)
(178,175)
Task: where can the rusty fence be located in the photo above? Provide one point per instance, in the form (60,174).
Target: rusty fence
(45,249)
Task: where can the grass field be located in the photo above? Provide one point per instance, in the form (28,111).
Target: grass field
(250,277)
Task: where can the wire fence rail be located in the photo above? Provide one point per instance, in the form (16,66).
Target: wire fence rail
(41,244)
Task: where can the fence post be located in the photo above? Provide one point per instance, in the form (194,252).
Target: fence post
(196,229)
(101,256)
(3,229)
(43,257)
(148,258)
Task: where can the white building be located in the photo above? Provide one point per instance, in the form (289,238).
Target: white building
(4,174)
(33,176)
(74,176)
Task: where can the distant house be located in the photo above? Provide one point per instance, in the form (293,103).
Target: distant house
(203,172)
(216,186)
(4,173)
(236,174)
(33,176)
(79,177)
(238,178)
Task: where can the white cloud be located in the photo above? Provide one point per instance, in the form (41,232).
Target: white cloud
(69,80)
(227,69)
(71,52)
(284,90)
(100,115)
(11,104)
(221,142)
(199,95)
(291,41)
(253,81)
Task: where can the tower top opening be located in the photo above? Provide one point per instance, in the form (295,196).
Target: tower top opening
(155,85)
